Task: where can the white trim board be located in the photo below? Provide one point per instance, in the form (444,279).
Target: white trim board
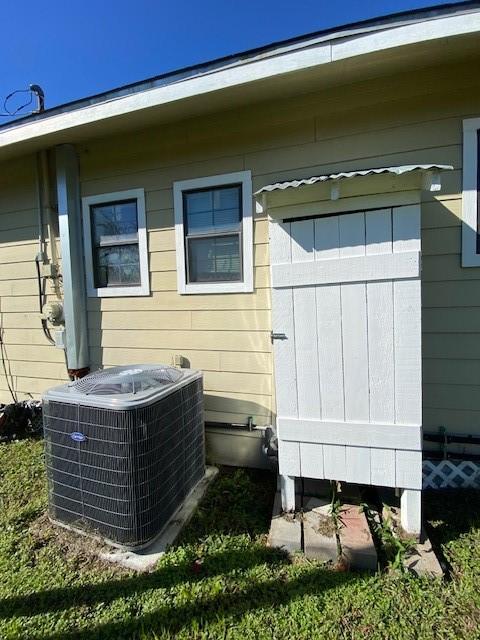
(400,468)
(355,434)
(355,269)
(470,256)
(110,292)
(244,286)
(321,51)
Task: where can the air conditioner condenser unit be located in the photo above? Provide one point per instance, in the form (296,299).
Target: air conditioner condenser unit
(124,446)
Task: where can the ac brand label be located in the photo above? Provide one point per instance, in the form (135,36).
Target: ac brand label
(78,437)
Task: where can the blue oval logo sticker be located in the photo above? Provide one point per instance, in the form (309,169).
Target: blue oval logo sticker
(78,437)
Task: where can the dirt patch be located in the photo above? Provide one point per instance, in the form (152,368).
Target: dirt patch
(326,526)
(80,550)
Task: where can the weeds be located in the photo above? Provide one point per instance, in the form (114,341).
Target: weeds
(394,545)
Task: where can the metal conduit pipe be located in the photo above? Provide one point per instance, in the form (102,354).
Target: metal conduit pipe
(52,217)
(41,256)
(40,209)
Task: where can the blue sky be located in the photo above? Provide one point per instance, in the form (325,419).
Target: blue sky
(78,48)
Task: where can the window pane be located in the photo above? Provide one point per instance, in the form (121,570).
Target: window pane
(117,266)
(226,203)
(114,220)
(212,210)
(214,259)
(199,210)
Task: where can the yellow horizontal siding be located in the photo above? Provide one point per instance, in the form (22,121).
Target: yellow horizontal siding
(18,270)
(378,122)
(462,397)
(452,319)
(452,294)
(140,320)
(244,320)
(24,287)
(219,361)
(32,364)
(231,382)
(37,369)
(441,241)
(28,386)
(196,359)
(451,371)
(442,212)
(244,362)
(20,303)
(169,300)
(43,353)
(216,340)
(459,421)
(451,346)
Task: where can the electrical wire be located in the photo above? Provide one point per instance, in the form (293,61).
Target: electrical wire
(10,114)
(4,358)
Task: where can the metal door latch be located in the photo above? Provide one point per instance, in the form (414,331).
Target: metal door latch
(277,336)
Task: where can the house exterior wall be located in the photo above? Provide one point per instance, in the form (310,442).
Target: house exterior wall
(32,363)
(403,119)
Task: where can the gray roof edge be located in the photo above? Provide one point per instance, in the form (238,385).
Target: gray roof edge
(270,50)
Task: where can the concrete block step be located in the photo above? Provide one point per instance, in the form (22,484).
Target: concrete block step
(285,529)
(356,540)
(319,535)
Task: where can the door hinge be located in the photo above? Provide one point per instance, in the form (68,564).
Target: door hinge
(277,336)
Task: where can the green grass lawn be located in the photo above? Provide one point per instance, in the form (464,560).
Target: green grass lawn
(220,581)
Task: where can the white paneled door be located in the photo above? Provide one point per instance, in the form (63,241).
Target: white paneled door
(346,316)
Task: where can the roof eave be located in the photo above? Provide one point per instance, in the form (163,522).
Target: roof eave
(210,83)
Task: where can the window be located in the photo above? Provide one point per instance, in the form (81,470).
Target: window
(213,227)
(471,199)
(116,244)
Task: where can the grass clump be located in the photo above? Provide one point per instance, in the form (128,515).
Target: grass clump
(220,580)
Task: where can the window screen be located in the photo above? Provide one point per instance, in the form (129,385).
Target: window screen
(213,230)
(116,256)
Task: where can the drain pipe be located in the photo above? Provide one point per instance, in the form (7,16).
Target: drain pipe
(70,228)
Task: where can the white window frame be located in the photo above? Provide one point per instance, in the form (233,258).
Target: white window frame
(246,285)
(470,230)
(142,289)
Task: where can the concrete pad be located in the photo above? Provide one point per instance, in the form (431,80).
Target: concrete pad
(145,559)
(285,529)
(319,535)
(356,540)
(421,560)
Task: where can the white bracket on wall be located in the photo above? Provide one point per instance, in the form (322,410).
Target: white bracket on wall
(432,181)
(334,191)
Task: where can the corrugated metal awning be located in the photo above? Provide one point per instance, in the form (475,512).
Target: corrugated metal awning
(407,168)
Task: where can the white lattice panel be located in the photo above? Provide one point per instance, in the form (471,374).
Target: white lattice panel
(442,474)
